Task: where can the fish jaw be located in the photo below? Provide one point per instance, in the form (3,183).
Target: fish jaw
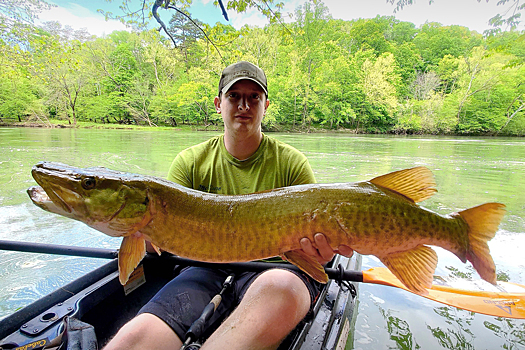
(100,198)
(40,198)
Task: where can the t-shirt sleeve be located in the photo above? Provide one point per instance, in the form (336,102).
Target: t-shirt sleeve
(305,174)
(180,171)
(301,172)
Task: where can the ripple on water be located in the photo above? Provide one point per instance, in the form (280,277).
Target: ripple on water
(19,286)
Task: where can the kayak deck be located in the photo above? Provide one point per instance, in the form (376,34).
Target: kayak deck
(98,299)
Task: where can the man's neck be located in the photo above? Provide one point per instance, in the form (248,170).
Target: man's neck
(242,147)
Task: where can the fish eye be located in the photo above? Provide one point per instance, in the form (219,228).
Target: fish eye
(88,183)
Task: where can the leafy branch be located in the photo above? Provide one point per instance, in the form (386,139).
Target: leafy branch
(139,17)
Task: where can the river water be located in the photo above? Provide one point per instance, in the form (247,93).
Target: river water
(468,171)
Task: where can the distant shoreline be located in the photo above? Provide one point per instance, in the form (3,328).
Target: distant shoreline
(219,128)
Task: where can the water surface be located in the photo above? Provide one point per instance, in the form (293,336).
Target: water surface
(469,171)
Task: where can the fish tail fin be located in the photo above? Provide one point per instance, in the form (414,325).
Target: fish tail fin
(483,222)
(131,252)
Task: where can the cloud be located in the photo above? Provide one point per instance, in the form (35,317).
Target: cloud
(251,17)
(78,17)
(254,17)
(469,13)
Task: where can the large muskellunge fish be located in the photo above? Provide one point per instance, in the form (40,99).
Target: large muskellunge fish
(378,217)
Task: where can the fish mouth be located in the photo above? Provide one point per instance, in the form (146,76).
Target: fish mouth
(55,188)
(53,203)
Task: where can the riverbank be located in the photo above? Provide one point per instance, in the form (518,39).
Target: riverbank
(219,128)
(181,127)
(60,124)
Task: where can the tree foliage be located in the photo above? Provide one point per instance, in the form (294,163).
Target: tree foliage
(367,75)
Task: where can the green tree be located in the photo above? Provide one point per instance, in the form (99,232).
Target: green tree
(435,41)
(20,11)
(195,98)
(185,32)
(334,87)
(66,75)
(511,93)
(370,34)
(310,25)
(19,98)
(378,81)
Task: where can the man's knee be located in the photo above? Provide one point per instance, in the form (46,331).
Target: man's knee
(146,331)
(282,290)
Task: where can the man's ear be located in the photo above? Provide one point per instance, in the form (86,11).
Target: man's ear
(266,104)
(217,103)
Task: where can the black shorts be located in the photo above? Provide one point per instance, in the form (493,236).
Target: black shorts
(181,301)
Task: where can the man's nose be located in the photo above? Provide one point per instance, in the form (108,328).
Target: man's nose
(243,104)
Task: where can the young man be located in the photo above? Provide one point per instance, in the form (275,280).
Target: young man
(267,305)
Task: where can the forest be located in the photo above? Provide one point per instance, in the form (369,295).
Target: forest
(377,75)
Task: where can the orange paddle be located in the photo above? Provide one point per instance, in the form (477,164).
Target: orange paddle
(504,300)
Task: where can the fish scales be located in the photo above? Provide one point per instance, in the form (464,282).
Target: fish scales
(251,230)
(378,217)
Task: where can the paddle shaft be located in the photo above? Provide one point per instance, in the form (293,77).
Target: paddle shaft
(101,253)
(43,248)
(500,304)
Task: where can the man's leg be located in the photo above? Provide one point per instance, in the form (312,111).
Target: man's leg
(271,308)
(163,321)
(146,331)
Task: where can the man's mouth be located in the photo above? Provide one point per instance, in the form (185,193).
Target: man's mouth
(243,117)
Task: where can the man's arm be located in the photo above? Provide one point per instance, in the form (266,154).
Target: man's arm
(179,172)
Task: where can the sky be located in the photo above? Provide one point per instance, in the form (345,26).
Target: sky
(469,13)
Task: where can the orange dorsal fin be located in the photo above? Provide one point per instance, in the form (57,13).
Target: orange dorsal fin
(417,184)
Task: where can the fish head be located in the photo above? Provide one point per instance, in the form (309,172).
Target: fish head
(112,202)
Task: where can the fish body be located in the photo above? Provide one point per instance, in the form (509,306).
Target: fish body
(378,217)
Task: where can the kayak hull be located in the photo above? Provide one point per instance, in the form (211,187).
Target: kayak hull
(100,300)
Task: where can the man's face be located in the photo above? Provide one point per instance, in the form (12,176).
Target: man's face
(242,107)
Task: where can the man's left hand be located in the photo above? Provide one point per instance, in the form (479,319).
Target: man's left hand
(321,249)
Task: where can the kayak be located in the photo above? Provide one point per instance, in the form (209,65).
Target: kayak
(100,305)
(99,300)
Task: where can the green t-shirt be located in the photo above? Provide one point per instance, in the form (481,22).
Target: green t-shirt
(209,167)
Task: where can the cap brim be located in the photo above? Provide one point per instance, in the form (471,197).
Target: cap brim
(230,84)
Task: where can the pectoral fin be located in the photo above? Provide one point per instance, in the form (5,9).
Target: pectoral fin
(307,263)
(157,249)
(131,252)
(414,267)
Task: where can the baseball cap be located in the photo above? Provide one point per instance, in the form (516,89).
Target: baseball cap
(239,71)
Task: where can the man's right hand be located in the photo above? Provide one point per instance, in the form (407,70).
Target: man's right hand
(322,250)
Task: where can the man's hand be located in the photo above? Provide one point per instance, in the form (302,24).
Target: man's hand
(321,250)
